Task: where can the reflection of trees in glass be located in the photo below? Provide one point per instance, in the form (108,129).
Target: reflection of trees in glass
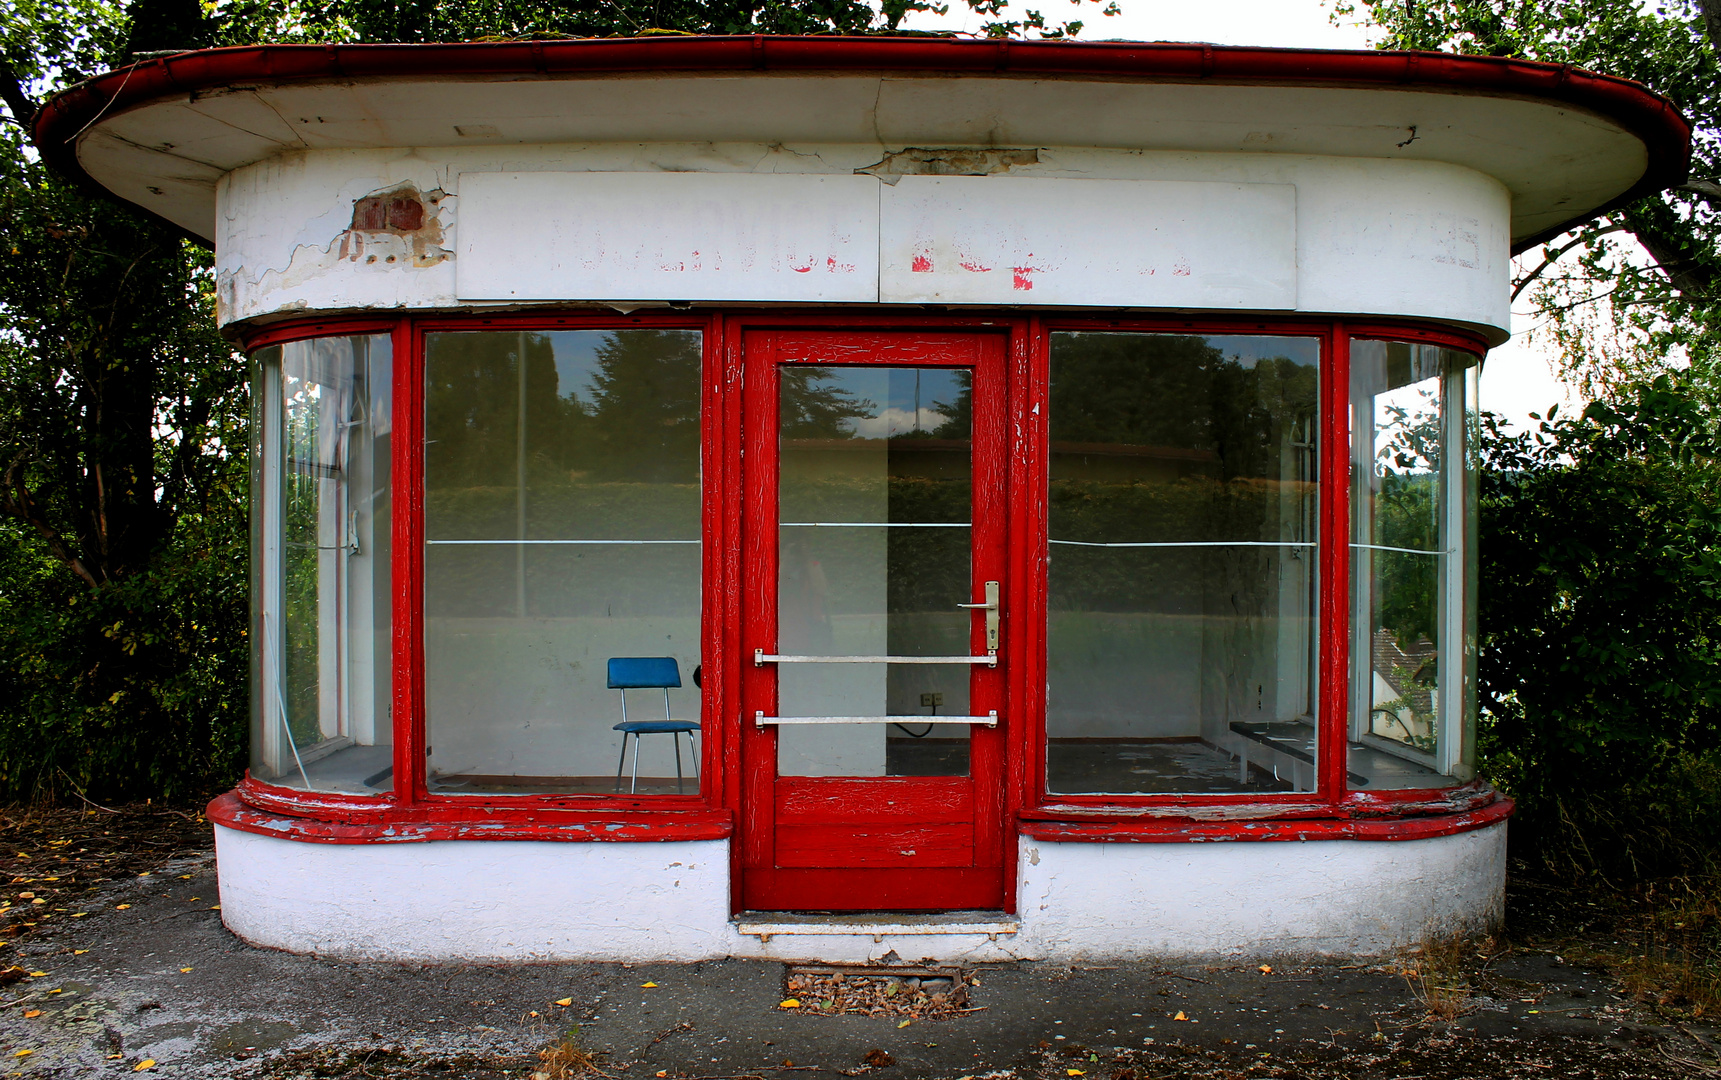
(1165,438)
(302,479)
(1405,596)
(959,413)
(815,405)
(619,457)
(616,457)
(645,409)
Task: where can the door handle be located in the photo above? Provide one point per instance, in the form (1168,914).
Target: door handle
(990,607)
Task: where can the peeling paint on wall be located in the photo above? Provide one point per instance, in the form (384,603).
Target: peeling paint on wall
(921,161)
(393,224)
(399,227)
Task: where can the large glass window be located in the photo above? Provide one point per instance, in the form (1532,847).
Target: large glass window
(320,686)
(562,523)
(1413,565)
(1181,598)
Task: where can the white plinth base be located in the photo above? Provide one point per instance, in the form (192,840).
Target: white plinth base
(478,900)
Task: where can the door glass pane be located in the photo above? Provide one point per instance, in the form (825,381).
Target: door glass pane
(1181,586)
(873,557)
(561,532)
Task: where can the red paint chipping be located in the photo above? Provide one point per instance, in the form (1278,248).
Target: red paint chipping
(921,265)
(974,267)
(1023,281)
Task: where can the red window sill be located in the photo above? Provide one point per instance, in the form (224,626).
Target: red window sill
(1398,816)
(371,821)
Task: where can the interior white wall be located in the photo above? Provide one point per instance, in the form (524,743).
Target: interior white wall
(1373,236)
(476,900)
(531,697)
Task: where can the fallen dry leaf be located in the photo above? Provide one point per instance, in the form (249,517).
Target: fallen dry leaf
(878,1059)
(647,985)
(32,1014)
(1265,969)
(23,1053)
(121,907)
(1180,1015)
(905,1023)
(37,974)
(788,1003)
(185,971)
(79,952)
(146,1063)
(1074,1072)
(564,1002)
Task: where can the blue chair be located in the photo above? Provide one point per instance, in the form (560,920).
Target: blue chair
(644,673)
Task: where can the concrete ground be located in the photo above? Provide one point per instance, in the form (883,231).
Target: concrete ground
(147,973)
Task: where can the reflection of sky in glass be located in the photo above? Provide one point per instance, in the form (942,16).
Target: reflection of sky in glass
(1250,350)
(576,353)
(898,397)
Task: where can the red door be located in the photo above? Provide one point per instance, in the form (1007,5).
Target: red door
(873,691)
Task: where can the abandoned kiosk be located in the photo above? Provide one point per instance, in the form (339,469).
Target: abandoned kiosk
(815,497)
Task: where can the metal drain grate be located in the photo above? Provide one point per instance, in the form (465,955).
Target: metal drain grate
(929,992)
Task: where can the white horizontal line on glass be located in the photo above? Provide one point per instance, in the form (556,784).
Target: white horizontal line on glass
(1407,551)
(989,720)
(480,542)
(761,657)
(874,525)
(1189,544)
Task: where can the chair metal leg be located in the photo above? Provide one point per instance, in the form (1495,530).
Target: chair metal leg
(676,735)
(635,788)
(621,764)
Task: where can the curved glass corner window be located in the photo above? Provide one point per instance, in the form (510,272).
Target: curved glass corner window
(320,612)
(1413,565)
(562,562)
(1181,633)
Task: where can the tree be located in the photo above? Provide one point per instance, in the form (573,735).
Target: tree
(123,412)
(1639,288)
(1600,601)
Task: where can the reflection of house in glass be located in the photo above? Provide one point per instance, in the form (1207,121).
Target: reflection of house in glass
(1404,705)
(841,498)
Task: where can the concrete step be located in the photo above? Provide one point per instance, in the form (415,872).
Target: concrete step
(878,925)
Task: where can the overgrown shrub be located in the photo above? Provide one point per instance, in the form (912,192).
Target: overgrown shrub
(1601,634)
(134,690)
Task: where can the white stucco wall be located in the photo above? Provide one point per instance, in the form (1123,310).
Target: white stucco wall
(1372,236)
(1326,896)
(527,900)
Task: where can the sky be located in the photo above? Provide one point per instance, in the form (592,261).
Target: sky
(1517,378)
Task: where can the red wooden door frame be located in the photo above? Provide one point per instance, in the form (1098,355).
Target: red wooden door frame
(903,842)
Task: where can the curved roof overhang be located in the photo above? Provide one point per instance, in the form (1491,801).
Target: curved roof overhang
(1566,143)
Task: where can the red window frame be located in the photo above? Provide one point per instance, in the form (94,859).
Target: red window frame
(412,812)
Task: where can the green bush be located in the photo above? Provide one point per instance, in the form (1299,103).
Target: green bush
(1601,627)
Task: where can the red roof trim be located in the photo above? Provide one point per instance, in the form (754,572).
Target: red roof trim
(1665,133)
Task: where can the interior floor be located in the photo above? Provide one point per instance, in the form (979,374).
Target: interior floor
(1150,767)
(360,770)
